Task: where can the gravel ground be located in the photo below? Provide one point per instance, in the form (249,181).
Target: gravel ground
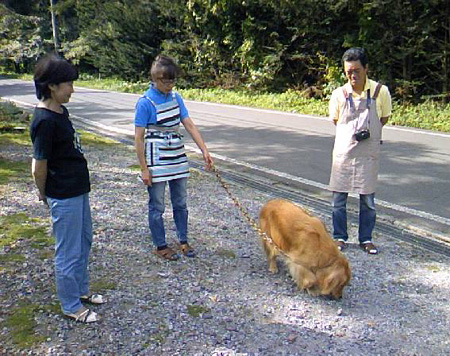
(396,304)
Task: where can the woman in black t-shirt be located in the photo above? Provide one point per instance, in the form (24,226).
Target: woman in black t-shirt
(61,175)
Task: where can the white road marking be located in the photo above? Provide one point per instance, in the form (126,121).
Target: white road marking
(382,203)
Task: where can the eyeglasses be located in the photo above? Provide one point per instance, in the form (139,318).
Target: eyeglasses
(167,81)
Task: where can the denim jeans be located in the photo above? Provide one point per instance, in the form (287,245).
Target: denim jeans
(156,207)
(72,229)
(367,216)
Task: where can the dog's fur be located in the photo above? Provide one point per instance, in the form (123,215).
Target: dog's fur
(314,261)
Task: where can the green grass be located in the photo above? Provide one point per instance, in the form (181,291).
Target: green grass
(427,115)
(111,84)
(433,268)
(289,101)
(89,139)
(22,325)
(13,170)
(19,226)
(11,258)
(101,285)
(134,167)
(19,137)
(54,308)
(223,252)
(196,310)
(12,75)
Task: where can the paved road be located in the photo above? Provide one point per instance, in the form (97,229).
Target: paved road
(414,173)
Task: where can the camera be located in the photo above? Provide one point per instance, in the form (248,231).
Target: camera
(362,135)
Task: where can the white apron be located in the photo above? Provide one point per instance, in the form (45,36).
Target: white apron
(355,164)
(164,147)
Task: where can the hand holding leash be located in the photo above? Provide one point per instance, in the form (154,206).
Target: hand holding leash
(209,161)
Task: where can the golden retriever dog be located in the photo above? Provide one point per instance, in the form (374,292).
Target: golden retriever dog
(314,261)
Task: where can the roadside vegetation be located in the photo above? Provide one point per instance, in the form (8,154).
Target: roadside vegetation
(428,115)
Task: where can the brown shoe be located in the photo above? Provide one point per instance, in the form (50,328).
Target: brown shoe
(341,245)
(187,250)
(369,247)
(167,254)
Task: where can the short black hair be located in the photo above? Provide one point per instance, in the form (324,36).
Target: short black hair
(166,65)
(52,69)
(356,54)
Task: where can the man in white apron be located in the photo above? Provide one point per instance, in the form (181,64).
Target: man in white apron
(359,109)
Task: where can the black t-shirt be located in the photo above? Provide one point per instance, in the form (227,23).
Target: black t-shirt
(55,140)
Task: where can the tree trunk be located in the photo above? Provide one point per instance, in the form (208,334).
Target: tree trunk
(445,64)
(55,27)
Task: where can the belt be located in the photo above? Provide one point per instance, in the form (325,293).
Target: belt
(164,130)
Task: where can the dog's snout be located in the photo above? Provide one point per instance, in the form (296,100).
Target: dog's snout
(333,297)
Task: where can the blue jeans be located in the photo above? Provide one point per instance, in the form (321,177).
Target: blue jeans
(72,229)
(156,207)
(367,216)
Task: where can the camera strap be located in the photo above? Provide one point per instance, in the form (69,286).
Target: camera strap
(369,100)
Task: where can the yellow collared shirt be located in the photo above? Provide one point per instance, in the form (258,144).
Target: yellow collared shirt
(384,102)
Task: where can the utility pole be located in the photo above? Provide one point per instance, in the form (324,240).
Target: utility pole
(55,27)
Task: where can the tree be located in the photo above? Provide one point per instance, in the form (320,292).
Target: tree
(255,44)
(21,42)
(114,37)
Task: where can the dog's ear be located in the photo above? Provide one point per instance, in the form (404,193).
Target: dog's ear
(335,281)
(309,280)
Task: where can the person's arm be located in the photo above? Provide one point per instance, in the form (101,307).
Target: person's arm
(195,134)
(333,108)
(386,105)
(139,133)
(39,172)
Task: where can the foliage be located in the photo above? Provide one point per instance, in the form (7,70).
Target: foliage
(290,101)
(114,84)
(412,54)
(114,37)
(13,125)
(263,45)
(11,114)
(22,40)
(429,115)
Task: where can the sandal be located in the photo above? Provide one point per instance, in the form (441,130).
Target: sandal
(85,316)
(187,250)
(93,299)
(341,245)
(167,254)
(369,247)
